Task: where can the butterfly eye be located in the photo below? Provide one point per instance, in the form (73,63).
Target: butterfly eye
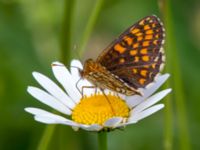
(81,72)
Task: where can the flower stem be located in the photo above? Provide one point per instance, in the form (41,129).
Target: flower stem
(66,31)
(176,78)
(46,137)
(90,25)
(102,141)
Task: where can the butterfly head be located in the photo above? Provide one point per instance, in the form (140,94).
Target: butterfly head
(87,68)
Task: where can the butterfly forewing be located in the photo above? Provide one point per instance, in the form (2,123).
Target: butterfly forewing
(136,56)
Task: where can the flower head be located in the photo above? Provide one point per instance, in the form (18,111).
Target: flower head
(95,110)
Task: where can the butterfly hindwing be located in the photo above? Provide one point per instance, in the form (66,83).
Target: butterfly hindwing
(136,56)
(139,76)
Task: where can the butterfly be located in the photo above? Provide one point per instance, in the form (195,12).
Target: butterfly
(131,61)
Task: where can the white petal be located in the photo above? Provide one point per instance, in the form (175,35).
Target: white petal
(49,100)
(53,120)
(65,78)
(136,99)
(53,89)
(122,96)
(146,113)
(36,111)
(126,123)
(150,101)
(93,127)
(41,112)
(48,117)
(159,81)
(45,120)
(86,87)
(75,65)
(112,122)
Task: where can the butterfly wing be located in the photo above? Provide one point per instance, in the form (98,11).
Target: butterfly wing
(136,56)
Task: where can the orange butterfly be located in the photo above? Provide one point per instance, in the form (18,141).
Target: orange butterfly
(131,61)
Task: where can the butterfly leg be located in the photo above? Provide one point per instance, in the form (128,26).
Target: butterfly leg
(117,94)
(84,87)
(95,90)
(78,87)
(112,109)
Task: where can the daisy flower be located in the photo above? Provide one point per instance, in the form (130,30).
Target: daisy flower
(92,111)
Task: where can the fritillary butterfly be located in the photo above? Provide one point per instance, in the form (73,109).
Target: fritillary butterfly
(131,61)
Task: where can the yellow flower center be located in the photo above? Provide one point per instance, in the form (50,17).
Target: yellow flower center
(97,108)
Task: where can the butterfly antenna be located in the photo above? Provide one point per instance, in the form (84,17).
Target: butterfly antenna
(76,67)
(112,109)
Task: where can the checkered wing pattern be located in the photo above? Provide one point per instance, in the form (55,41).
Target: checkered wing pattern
(136,56)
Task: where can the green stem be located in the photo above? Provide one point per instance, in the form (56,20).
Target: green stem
(90,25)
(102,140)
(177,84)
(46,137)
(66,31)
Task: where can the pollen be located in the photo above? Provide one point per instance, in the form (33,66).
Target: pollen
(96,109)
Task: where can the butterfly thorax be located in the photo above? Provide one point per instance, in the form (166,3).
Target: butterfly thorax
(89,67)
(104,79)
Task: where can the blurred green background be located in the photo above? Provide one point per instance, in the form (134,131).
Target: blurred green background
(31,37)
